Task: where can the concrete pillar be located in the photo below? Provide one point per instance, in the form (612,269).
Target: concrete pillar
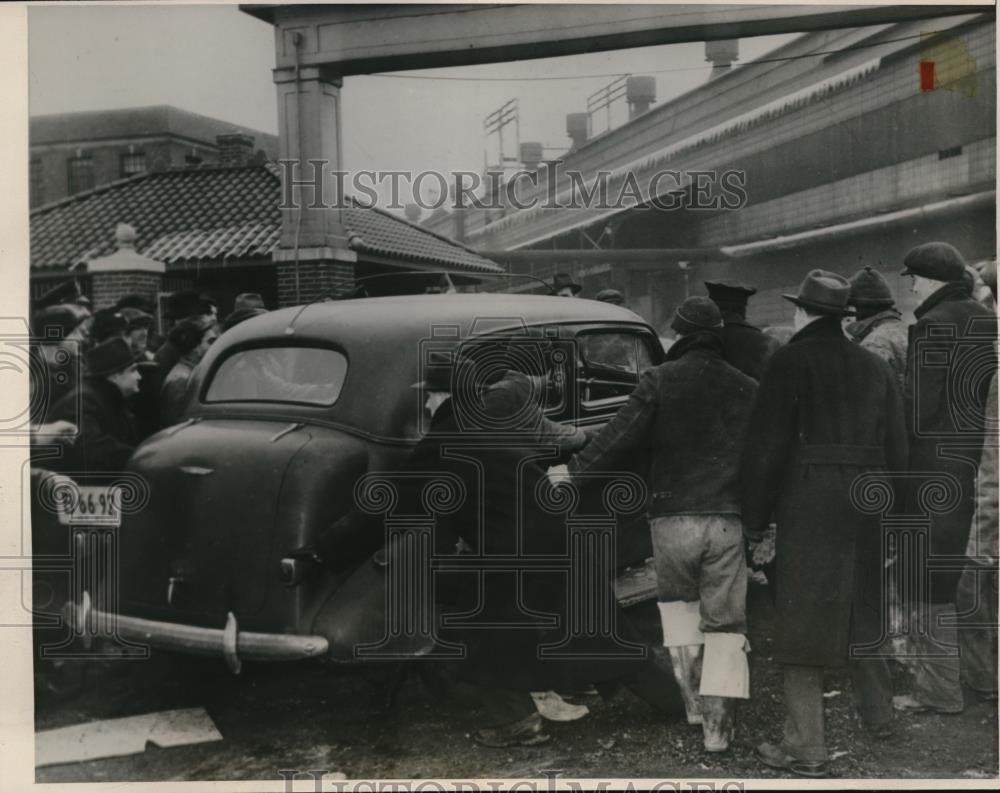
(310,146)
(313,252)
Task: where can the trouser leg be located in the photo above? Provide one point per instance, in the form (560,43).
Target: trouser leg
(872,684)
(976,601)
(936,680)
(657,687)
(804,736)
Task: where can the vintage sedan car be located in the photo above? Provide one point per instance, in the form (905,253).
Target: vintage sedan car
(284,415)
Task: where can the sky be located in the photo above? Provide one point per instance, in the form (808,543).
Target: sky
(216,60)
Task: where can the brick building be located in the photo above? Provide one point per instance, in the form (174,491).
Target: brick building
(74,152)
(216,229)
(850,156)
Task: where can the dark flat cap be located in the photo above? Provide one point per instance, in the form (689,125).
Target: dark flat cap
(938,261)
(108,322)
(696,313)
(729,291)
(64,292)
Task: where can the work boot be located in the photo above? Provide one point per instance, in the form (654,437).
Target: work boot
(718,722)
(686,661)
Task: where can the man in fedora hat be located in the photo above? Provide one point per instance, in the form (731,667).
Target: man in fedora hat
(746,346)
(950,360)
(827,412)
(878,326)
(685,421)
(100,406)
(564,286)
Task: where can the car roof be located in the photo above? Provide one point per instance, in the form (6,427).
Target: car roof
(409,316)
(385,339)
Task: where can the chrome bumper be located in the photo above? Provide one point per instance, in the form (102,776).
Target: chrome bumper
(229,643)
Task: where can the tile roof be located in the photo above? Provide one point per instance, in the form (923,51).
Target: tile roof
(211,214)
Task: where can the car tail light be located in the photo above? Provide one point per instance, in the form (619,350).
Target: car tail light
(294,570)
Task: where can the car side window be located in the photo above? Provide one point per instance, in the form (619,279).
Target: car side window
(309,375)
(609,364)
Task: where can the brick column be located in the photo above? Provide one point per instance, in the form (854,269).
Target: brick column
(124,272)
(315,280)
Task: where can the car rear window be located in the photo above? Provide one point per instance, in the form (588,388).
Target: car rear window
(305,375)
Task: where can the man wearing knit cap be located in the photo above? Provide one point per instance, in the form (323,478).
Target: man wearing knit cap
(746,347)
(100,404)
(686,419)
(827,413)
(878,326)
(950,361)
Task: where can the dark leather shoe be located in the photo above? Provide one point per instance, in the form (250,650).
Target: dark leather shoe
(528,731)
(776,757)
(880,732)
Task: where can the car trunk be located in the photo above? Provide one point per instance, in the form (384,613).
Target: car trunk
(195,552)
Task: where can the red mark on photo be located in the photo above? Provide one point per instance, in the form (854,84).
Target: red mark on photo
(926,75)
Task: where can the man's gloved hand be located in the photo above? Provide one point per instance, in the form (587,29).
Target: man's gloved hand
(559,475)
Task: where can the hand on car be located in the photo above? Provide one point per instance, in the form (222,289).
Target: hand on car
(55,432)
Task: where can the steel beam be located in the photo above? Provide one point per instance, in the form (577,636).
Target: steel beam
(361,39)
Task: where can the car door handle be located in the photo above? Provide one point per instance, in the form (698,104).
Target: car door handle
(197,470)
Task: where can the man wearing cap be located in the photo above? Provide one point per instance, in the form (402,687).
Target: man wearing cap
(246,306)
(500,479)
(100,406)
(564,286)
(686,420)
(950,361)
(612,296)
(827,413)
(878,326)
(746,346)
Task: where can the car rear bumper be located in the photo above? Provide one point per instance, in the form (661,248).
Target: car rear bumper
(228,643)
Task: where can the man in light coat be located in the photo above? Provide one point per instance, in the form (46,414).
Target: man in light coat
(827,413)
(878,326)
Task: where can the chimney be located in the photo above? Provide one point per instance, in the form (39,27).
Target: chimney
(721,55)
(640,91)
(235,150)
(578,128)
(531,154)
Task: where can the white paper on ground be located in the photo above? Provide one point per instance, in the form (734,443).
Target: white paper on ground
(129,735)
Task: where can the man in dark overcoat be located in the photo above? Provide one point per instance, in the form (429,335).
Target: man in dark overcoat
(746,346)
(950,361)
(500,515)
(100,406)
(827,412)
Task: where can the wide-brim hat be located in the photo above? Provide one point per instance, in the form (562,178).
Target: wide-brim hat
(62,293)
(108,357)
(239,315)
(823,292)
(562,280)
(187,303)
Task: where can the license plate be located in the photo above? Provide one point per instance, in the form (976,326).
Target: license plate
(91,505)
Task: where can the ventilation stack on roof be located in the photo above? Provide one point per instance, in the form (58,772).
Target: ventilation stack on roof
(640,91)
(532,153)
(235,150)
(578,128)
(721,55)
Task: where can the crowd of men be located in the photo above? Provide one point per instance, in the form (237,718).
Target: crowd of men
(107,373)
(737,435)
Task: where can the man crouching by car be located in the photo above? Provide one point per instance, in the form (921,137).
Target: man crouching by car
(687,418)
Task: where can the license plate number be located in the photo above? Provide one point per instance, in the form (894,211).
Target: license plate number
(91,505)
